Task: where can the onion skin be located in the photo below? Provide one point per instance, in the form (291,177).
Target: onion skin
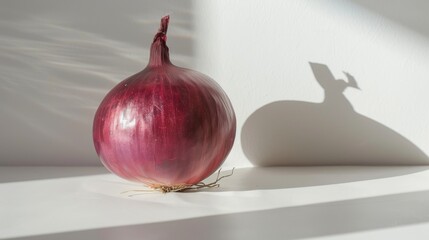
(166,125)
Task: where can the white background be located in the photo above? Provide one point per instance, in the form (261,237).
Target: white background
(59,58)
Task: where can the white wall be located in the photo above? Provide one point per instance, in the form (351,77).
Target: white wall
(260,51)
(57,61)
(59,58)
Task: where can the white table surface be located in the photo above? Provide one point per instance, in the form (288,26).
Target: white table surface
(255,203)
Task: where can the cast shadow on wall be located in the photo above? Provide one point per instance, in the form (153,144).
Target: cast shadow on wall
(326,133)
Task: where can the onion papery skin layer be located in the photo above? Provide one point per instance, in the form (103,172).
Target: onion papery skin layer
(166,125)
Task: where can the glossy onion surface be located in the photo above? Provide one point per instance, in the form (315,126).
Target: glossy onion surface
(164,125)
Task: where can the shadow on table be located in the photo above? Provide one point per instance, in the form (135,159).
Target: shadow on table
(265,178)
(315,220)
(27,173)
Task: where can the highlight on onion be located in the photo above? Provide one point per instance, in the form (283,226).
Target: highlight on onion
(167,127)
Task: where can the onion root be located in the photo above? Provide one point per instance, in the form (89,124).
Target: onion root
(181,187)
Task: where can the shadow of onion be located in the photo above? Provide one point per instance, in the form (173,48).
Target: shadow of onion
(270,178)
(57,66)
(326,133)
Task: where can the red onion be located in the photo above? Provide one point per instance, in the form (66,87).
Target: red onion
(166,125)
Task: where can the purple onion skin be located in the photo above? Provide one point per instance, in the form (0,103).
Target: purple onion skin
(166,125)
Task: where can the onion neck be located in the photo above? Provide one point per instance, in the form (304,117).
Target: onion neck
(159,53)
